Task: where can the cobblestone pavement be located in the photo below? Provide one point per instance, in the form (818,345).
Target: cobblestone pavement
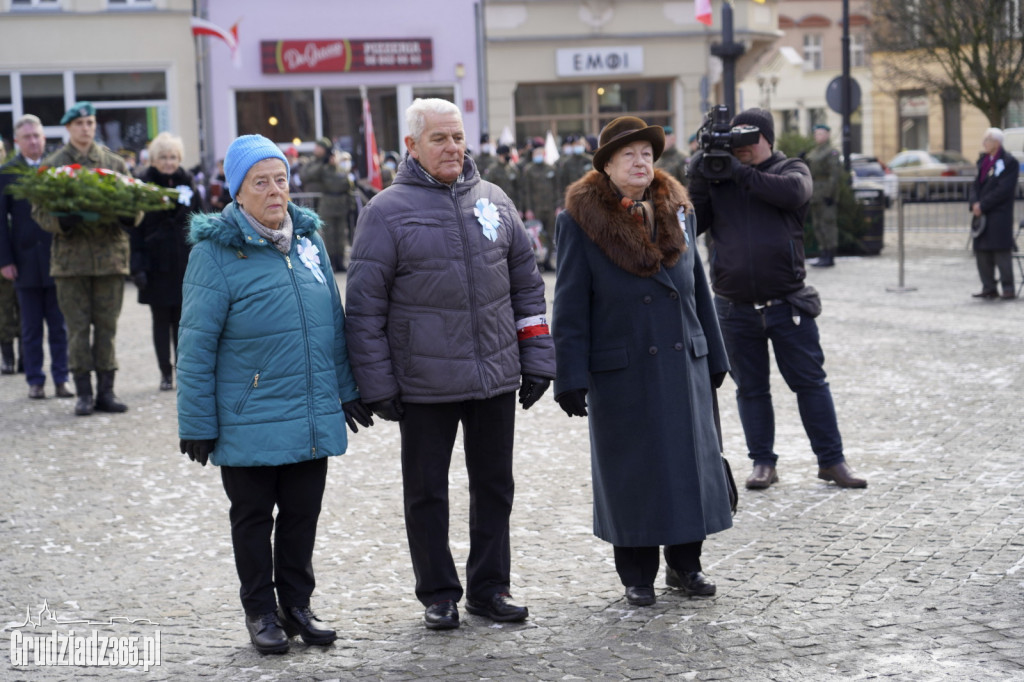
(918,577)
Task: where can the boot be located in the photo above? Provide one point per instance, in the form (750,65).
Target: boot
(83,387)
(106,401)
(825,260)
(7,357)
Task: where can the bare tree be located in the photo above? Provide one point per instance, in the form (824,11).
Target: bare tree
(978,46)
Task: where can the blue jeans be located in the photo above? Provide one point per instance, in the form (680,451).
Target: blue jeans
(798,354)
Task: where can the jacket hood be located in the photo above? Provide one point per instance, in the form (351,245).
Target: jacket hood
(595,205)
(229,227)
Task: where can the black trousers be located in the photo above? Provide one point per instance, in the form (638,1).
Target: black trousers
(286,563)
(639,565)
(428,436)
(165,334)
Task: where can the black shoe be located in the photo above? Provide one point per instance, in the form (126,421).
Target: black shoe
(640,595)
(62,390)
(693,583)
(498,608)
(985,294)
(442,615)
(762,476)
(36,392)
(266,633)
(824,260)
(166,383)
(299,620)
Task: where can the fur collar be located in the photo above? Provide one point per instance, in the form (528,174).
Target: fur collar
(593,203)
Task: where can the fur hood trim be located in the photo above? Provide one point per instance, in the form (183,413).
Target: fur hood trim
(229,227)
(594,204)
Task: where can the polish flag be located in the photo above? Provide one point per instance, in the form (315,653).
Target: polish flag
(702,8)
(202,27)
(372,158)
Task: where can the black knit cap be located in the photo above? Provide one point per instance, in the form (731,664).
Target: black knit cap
(760,118)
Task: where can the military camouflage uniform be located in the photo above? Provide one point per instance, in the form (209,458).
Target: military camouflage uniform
(88,264)
(336,206)
(10,321)
(674,163)
(827,173)
(506,176)
(538,187)
(570,169)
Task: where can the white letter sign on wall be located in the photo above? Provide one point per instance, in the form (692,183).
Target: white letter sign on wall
(599,61)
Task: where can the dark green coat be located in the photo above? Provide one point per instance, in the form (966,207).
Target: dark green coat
(634,323)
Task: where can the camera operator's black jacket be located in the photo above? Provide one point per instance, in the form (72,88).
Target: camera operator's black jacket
(756,222)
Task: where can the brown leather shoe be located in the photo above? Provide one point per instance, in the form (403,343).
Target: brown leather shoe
(762,477)
(63,390)
(842,476)
(36,392)
(1007,295)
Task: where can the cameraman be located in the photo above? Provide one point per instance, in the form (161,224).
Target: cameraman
(755,219)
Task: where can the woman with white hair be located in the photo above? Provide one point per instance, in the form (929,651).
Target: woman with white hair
(992,198)
(160,248)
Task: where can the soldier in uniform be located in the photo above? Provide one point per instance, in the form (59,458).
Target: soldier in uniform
(88,262)
(538,186)
(329,172)
(827,173)
(504,174)
(574,165)
(486,158)
(672,160)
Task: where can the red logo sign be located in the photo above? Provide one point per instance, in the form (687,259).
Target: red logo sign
(321,56)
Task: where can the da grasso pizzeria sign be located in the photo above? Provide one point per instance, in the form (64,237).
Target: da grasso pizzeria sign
(342,55)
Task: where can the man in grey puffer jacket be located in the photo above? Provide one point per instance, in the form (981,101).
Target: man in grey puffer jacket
(445,320)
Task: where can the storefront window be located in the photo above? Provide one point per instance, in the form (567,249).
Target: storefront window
(43,95)
(130,128)
(281,115)
(584,108)
(109,87)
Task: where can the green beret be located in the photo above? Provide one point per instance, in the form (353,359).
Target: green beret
(822,126)
(78,110)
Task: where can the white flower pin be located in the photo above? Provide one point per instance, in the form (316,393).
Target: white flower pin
(309,254)
(184,194)
(487,215)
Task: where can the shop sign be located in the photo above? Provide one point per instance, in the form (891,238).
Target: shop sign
(913,105)
(599,61)
(321,56)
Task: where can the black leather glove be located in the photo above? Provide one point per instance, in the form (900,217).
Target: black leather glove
(69,222)
(356,412)
(532,389)
(127,221)
(718,379)
(574,402)
(389,410)
(197,450)
(140,279)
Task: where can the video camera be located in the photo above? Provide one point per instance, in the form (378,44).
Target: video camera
(717,139)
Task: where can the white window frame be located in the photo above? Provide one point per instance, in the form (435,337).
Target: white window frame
(35,4)
(122,4)
(813,52)
(858,55)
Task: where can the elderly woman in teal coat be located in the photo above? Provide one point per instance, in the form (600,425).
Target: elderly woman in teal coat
(264,384)
(639,351)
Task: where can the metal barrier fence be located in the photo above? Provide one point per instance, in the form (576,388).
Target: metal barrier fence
(940,204)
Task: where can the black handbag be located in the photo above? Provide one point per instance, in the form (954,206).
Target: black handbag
(734,493)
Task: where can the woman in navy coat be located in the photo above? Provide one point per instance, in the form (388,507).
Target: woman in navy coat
(992,197)
(638,350)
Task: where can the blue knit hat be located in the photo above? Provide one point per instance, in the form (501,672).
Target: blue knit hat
(244,153)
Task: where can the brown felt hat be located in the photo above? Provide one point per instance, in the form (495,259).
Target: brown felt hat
(625,130)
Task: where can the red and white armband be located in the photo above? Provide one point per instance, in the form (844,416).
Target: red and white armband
(528,327)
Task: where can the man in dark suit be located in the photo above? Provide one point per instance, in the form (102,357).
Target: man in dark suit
(25,260)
